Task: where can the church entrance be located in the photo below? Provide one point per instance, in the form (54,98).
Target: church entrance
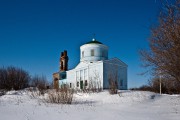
(81,84)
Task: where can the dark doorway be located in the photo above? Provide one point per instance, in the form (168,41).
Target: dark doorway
(81,84)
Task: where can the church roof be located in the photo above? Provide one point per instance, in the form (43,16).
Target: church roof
(94,41)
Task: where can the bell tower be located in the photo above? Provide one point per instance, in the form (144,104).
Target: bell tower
(64,61)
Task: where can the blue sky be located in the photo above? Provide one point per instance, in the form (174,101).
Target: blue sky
(33,33)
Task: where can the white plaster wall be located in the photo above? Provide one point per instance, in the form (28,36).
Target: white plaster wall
(61,82)
(71,78)
(94,74)
(100,52)
(114,68)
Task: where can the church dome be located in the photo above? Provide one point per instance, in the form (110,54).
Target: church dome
(94,41)
(93,51)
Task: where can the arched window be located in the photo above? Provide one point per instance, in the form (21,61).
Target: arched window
(86,83)
(77,84)
(82,54)
(92,52)
(121,82)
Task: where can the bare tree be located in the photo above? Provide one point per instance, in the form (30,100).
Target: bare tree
(163,58)
(94,84)
(40,82)
(113,80)
(13,78)
(97,80)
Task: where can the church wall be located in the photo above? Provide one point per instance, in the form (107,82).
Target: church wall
(90,73)
(96,74)
(117,72)
(71,78)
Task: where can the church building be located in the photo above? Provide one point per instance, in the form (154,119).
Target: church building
(95,69)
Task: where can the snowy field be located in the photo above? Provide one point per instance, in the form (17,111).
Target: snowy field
(129,105)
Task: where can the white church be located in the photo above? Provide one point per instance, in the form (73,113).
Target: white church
(95,69)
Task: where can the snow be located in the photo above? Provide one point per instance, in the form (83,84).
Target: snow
(128,105)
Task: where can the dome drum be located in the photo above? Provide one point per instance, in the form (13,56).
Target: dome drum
(93,51)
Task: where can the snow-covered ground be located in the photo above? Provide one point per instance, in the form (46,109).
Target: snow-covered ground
(128,105)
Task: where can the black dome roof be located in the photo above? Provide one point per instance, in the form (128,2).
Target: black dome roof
(94,41)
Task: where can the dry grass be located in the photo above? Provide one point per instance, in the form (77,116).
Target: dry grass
(61,96)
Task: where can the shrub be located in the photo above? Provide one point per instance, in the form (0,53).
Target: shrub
(168,86)
(40,82)
(143,88)
(2,92)
(113,86)
(13,78)
(93,86)
(63,95)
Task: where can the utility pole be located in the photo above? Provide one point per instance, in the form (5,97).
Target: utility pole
(160,83)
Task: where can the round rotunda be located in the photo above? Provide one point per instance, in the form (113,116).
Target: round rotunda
(93,51)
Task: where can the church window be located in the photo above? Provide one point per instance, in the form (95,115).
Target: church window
(103,54)
(82,53)
(77,75)
(121,82)
(81,75)
(92,52)
(85,74)
(86,83)
(77,84)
